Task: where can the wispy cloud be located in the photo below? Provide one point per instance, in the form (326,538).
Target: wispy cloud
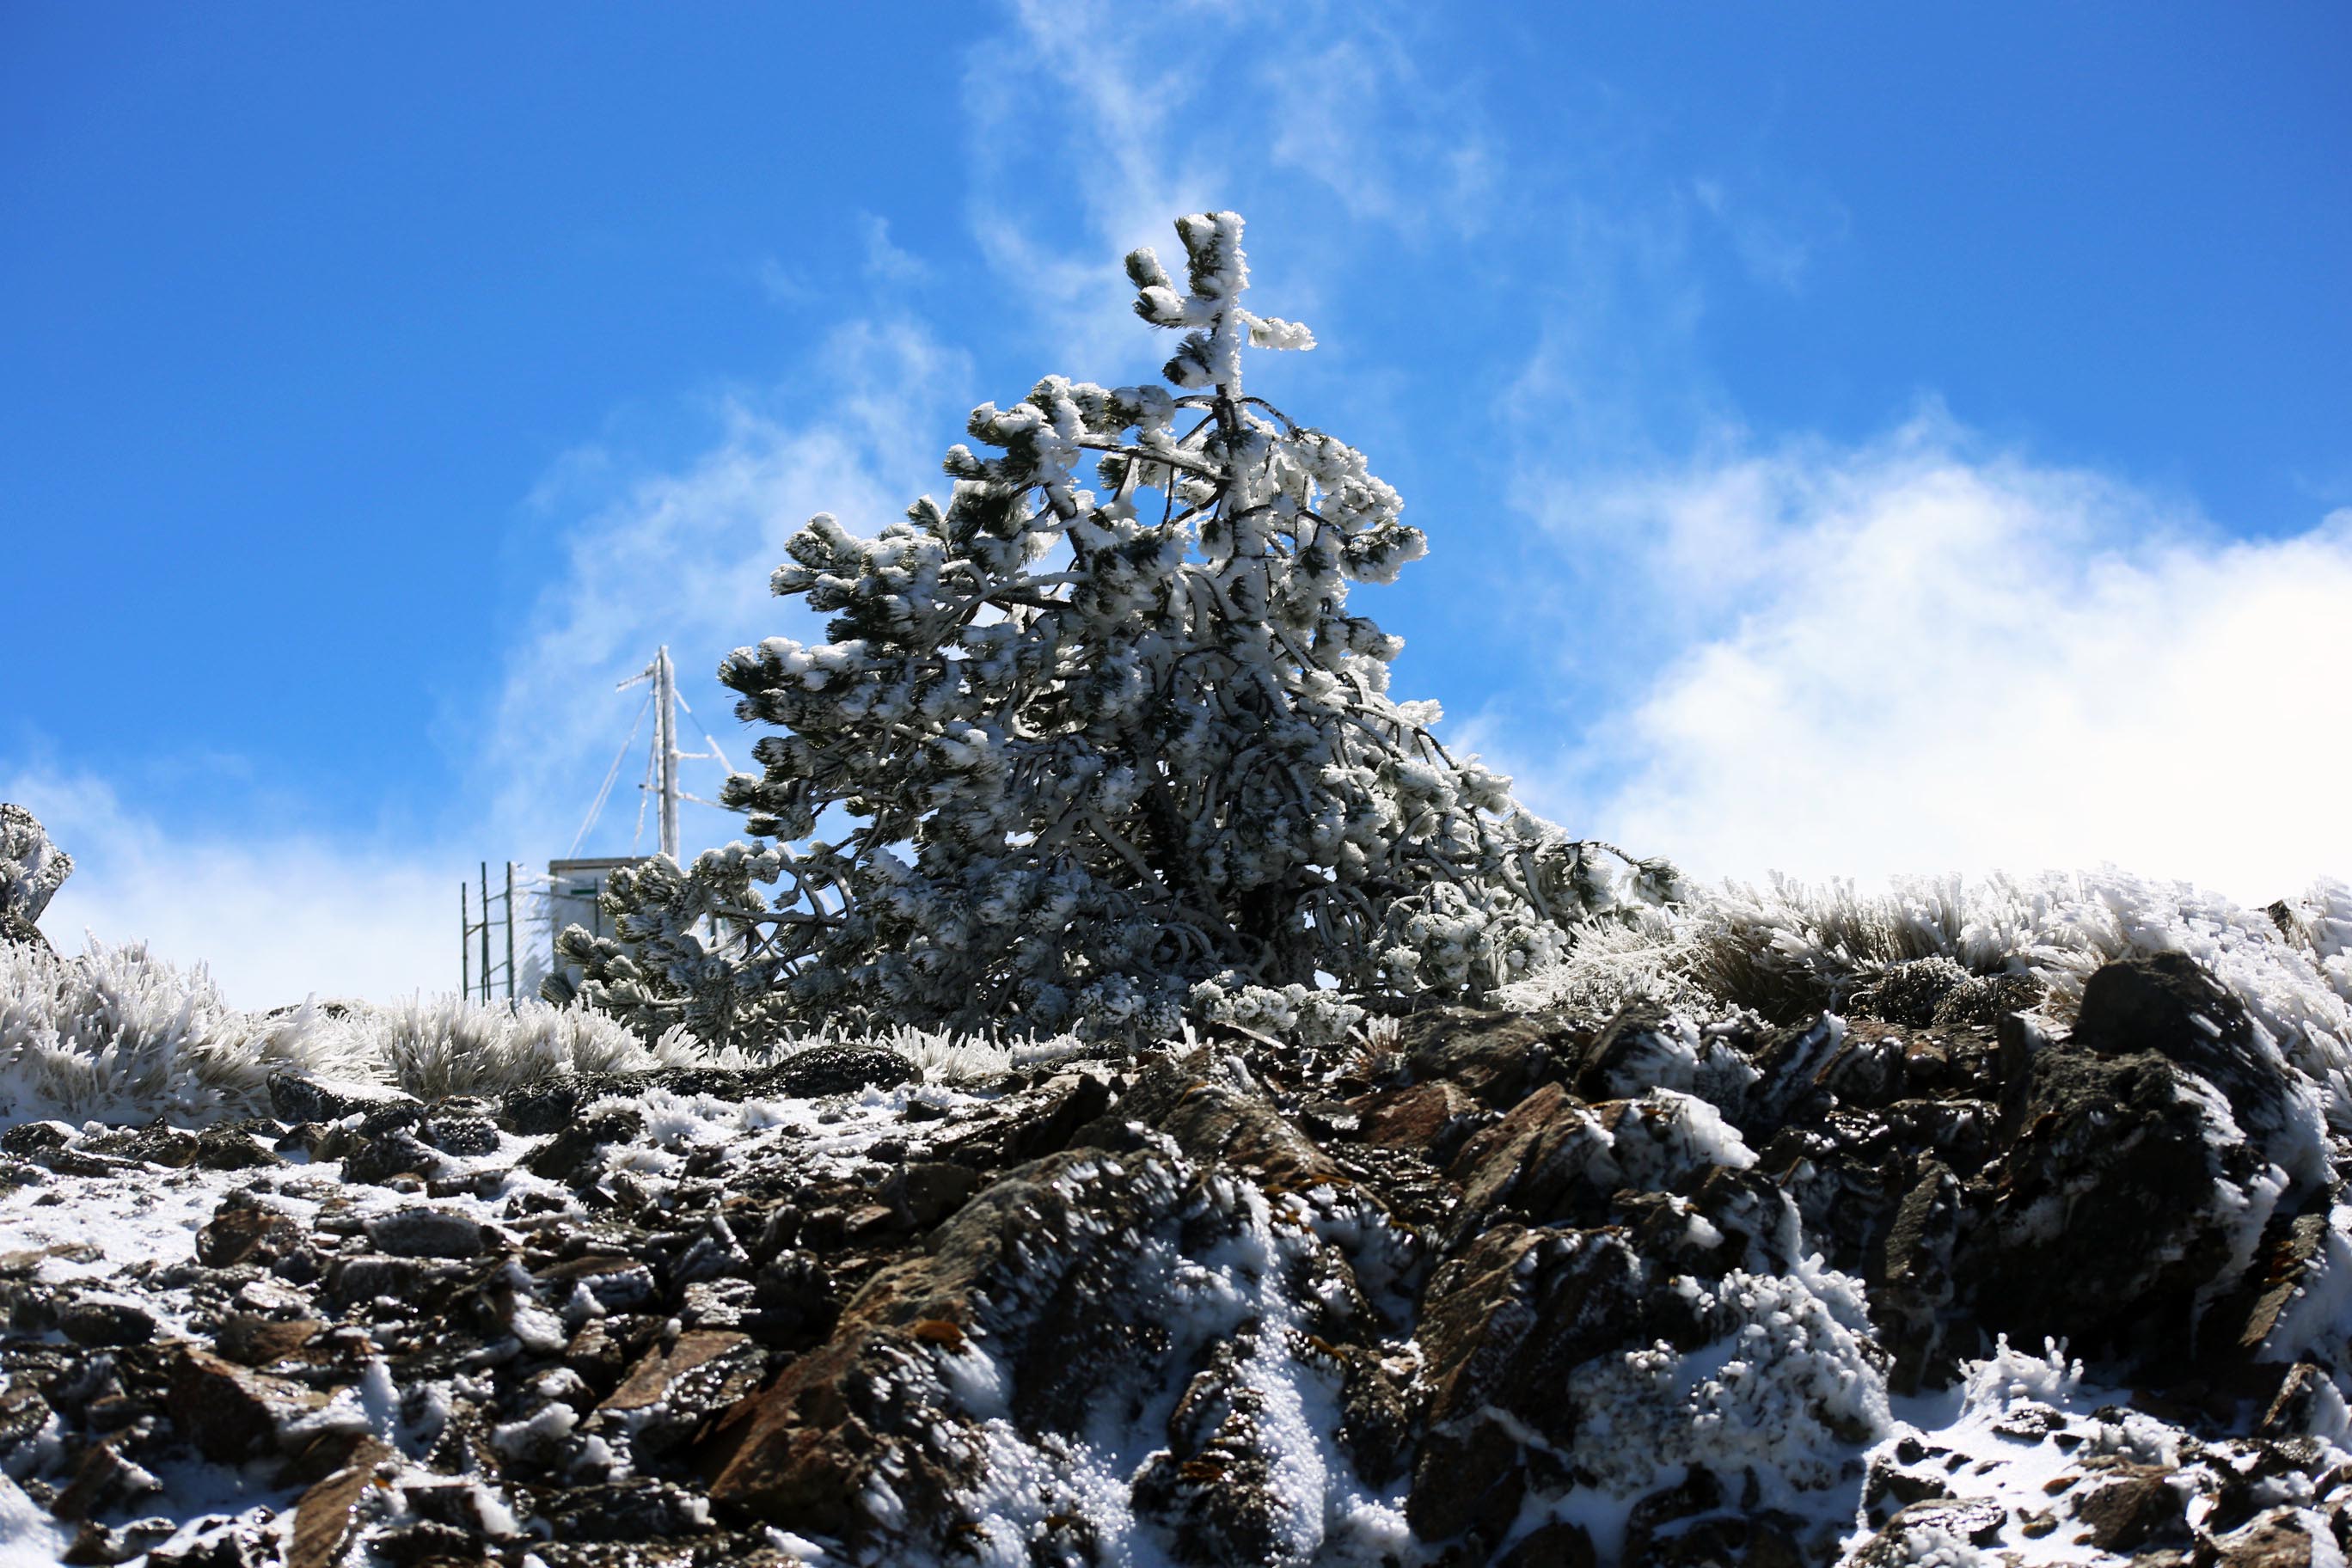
(1173,118)
(777,282)
(681,555)
(677,554)
(275,918)
(1921,656)
(1775,227)
(1361,117)
(884,261)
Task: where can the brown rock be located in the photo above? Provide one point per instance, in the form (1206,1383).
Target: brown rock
(1212,1120)
(2278,1539)
(1696,1494)
(799,1454)
(250,1339)
(2121,1149)
(1055,1236)
(1411,1117)
(1501,1328)
(926,1192)
(1468,1479)
(1542,1160)
(1977,1520)
(2292,1409)
(366,1276)
(596,1356)
(103,1324)
(426,1232)
(229,1149)
(328,1514)
(231,1412)
(1558,1544)
(1496,1058)
(103,1480)
(237,1236)
(244,1540)
(2132,1509)
(657,1377)
(2288,1255)
(673,1391)
(1077,1099)
(97,1545)
(320,1458)
(1636,1052)
(1743,1540)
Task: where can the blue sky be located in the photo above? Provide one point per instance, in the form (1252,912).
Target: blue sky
(1852,440)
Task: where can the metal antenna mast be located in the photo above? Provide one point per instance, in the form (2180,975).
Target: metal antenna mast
(662,772)
(666,747)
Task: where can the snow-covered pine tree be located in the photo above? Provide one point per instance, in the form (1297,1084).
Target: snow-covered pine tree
(1104,742)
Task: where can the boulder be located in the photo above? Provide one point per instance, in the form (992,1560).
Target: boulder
(1216,1116)
(308,1097)
(1216,1489)
(1645,1047)
(2124,1204)
(31,871)
(1549,1160)
(675,1388)
(101,1322)
(1418,1116)
(835,1070)
(1047,1300)
(1495,1057)
(1501,1327)
(926,1192)
(394,1153)
(426,1233)
(232,1413)
(240,1232)
(328,1514)
(2280,1538)
(2168,1005)
(574,1155)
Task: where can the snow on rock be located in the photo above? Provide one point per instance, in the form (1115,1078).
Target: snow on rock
(1666,1285)
(31,871)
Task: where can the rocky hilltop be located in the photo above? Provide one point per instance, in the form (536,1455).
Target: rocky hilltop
(1929,1281)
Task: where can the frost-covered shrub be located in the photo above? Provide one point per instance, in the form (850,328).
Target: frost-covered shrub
(449,1046)
(1100,729)
(117,1034)
(1789,1387)
(1911,991)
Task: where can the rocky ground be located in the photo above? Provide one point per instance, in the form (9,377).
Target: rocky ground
(1530,1289)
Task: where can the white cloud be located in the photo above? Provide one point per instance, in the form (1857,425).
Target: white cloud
(1910,657)
(884,261)
(275,919)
